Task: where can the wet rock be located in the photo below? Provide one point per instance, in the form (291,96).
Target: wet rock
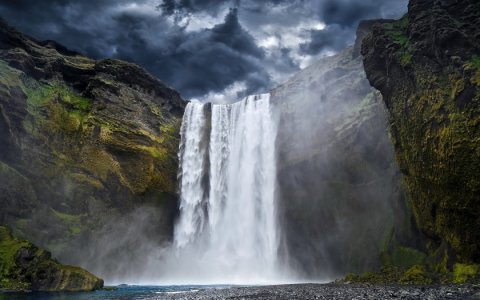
(84,143)
(427,67)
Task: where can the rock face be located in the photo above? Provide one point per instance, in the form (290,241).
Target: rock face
(88,152)
(23,266)
(427,67)
(339,191)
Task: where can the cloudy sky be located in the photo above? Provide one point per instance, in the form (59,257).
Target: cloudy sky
(212,50)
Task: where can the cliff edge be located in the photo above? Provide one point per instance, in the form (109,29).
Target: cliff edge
(87,148)
(427,67)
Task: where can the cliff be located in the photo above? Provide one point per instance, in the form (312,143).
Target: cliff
(339,188)
(88,152)
(427,67)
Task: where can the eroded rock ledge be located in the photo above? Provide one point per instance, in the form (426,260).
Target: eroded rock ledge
(23,266)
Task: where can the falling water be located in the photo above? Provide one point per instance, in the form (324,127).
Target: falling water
(227,229)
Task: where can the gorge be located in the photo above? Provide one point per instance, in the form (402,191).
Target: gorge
(362,167)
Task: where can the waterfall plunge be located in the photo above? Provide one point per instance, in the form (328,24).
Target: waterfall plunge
(227,229)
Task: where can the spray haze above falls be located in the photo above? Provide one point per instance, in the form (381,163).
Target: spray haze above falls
(293,186)
(227,229)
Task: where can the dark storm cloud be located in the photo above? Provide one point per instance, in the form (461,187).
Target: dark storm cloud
(213,59)
(348,12)
(331,38)
(170,7)
(342,17)
(195,63)
(196,54)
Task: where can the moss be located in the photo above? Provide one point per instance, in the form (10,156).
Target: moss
(8,249)
(75,229)
(386,275)
(37,271)
(434,141)
(65,108)
(474,65)
(88,180)
(457,87)
(89,164)
(463,272)
(442,267)
(407,257)
(351,277)
(406,58)
(416,275)
(397,32)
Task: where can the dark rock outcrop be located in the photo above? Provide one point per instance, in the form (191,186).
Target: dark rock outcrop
(23,266)
(85,144)
(427,67)
(363,29)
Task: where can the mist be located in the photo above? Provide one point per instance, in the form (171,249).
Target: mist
(339,185)
(336,194)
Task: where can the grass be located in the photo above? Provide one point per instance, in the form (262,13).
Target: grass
(8,249)
(407,257)
(397,31)
(463,272)
(474,64)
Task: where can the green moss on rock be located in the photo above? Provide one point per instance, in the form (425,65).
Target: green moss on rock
(416,275)
(463,273)
(26,267)
(434,107)
(407,257)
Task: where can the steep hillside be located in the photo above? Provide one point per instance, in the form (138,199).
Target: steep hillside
(427,67)
(339,188)
(88,152)
(24,266)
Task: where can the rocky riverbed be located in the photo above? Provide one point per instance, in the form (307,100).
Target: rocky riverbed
(334,291)
(292,291)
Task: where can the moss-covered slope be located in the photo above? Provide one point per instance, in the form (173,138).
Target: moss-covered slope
(24,266)
(427,67)
(84,143)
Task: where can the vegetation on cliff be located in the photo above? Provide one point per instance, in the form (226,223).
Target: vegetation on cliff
(83,143)
(24,266)
(426,66)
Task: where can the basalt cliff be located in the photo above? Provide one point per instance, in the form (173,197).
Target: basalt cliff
(88,153)
(427,68)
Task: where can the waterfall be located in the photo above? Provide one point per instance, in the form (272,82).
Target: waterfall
(227,228)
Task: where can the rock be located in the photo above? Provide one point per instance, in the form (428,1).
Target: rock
(363,29)
(85,144)
(427,67)
(23,266)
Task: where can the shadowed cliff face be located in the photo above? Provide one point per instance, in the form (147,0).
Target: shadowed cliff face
(85,144)
(427,67)
(339,188)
